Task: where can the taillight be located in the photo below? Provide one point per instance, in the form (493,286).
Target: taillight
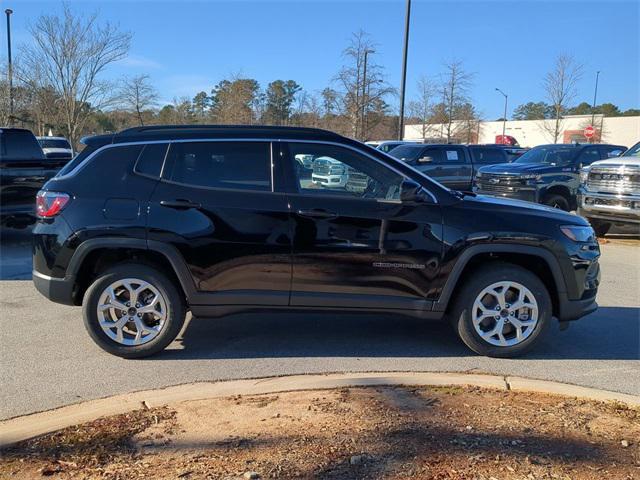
(50,204)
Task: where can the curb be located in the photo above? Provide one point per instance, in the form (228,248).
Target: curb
(28,426)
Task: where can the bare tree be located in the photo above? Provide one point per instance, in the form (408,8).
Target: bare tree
(137,95)
(72,52)
(560,88)
(422,107)
(456,83)
(362,84)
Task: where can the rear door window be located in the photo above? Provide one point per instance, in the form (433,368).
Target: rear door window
(151,159)
(488,156)
(19,145)
(230,165)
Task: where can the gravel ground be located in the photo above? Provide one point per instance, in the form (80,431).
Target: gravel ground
(48,359)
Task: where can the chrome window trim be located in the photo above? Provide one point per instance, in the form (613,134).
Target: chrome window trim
(90,157)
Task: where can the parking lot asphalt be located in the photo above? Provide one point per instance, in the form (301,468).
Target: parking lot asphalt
(47,360)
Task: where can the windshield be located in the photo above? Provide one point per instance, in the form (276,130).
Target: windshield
(633,151)
(551,155)
(406,153)
(54,143)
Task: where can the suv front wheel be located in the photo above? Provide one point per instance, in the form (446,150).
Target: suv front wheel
(133,311)
(501,310)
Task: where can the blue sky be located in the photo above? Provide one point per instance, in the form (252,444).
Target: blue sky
(188,46)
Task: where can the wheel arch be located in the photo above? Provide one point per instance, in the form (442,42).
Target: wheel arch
(95,255)
(528,257)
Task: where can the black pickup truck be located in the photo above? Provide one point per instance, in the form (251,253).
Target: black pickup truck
(454,166)
(23,170)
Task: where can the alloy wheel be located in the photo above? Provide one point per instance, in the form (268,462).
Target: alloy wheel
(505,314)
(131,311)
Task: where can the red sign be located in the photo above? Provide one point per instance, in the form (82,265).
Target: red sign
(589,131)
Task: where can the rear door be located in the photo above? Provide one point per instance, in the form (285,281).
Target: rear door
(357,245)
(216,204)
(448,165)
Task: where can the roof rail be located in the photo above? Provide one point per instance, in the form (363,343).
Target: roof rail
(164,128)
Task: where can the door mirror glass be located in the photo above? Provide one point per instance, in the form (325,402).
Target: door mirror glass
(411,192)
(426,159)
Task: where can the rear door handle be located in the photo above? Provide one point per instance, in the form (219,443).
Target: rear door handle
(180,204)
(317,213)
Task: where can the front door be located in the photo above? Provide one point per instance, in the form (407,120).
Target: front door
(356,244)
(217,206)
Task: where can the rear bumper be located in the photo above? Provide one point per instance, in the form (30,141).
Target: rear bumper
(59,290)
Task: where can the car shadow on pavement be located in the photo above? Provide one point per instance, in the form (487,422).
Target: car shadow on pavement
(610,333)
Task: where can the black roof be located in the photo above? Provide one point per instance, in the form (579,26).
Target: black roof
(178,132)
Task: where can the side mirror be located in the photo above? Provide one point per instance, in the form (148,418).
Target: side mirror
(425,160)
(411,192)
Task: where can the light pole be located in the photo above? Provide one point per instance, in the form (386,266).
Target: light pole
(8,11)
(595,96)
(403,82)
(504,118)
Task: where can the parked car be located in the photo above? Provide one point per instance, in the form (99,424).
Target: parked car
(153,221)
(452,165)
(547,174)
(610,191)
(56,147)
(23,170)
(329,172)
(387,145)
(512,152)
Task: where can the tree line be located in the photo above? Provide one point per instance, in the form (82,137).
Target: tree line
(60,86)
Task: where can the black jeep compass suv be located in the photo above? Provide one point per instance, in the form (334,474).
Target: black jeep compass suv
(153,221)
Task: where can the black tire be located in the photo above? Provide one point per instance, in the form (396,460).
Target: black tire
(460,313)
(557,201)
(601,228)
(174,301)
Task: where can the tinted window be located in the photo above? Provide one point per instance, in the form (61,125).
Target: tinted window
(612,152)
(488,156)
(444,155)
(407,153)
(236,165)
(54,143)
(151,159)
(552,155)
(342,171)
(19,145)
(589,155)
(633,151)
(77,160)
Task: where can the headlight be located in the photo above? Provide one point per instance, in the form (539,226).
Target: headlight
(584,175)
(578,233)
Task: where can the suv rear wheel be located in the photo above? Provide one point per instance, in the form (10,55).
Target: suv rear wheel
(133,311)
(501,311)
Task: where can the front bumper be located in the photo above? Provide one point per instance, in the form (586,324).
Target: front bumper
(609,206)
(59,290)
(572,309)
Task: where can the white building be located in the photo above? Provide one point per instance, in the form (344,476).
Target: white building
(529,133)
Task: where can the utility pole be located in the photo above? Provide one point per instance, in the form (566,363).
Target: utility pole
(403,82)
(593,107)
(504,118)
(8,11)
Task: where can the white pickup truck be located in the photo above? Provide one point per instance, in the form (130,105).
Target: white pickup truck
(609,192)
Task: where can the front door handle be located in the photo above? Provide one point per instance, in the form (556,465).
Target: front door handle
(180,204)
(317,213)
